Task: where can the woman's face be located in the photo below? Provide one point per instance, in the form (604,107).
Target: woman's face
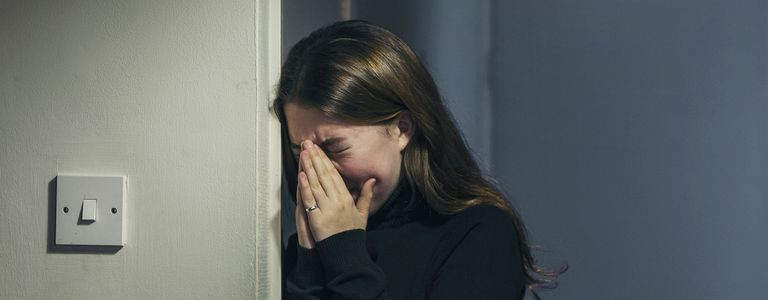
(359,152)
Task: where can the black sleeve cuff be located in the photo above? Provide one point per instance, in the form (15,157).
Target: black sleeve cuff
(343,251)
(307,278)
(307,262)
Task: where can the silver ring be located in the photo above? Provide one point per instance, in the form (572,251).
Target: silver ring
(310,208)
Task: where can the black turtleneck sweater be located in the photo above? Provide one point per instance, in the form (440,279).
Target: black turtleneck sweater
(408,251)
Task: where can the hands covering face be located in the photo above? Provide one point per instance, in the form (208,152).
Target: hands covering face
(324,206)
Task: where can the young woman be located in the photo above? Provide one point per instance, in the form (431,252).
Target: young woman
(390,202)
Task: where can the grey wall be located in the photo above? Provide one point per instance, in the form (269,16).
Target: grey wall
(632,136)
(300,17)
(452,37)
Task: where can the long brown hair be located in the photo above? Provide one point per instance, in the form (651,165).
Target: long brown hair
(361,73)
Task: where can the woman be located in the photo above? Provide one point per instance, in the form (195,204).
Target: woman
(390,202)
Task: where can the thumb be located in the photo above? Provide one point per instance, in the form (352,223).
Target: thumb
(366,194)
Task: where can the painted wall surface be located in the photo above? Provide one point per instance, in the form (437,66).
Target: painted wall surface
(172,94)
(633,137)
(452,38)
(300,17)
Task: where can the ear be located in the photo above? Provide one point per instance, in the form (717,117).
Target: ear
(405,129)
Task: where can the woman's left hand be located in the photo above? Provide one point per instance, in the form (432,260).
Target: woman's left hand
(321,185)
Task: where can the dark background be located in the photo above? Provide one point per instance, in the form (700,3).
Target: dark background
(631,135)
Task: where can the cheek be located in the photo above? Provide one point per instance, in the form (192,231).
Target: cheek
(357,172)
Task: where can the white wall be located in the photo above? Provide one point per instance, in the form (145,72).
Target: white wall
(172,94)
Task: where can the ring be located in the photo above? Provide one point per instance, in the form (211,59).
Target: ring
(310,208)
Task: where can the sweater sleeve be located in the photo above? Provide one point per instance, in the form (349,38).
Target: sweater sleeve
(306,279)
(484,263)
(349,271)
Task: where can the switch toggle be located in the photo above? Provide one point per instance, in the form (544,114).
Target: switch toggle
(89,210)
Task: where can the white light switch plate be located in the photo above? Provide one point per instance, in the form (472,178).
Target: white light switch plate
(109,194)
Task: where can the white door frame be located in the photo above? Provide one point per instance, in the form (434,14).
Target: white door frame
(268,59)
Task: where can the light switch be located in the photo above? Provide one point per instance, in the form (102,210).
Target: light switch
(89,210)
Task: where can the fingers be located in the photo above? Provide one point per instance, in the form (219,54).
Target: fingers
(306,201)
(300,205)
(319,192)
(302,227)
(321,184)
(322,162)
(307,192)
(304,233)
(366,195)
(324,171)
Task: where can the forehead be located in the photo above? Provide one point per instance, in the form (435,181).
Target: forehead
(310,123)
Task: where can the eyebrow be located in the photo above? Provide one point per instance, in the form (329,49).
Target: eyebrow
(325,144)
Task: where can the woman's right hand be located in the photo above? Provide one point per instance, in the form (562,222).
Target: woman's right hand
(306,240)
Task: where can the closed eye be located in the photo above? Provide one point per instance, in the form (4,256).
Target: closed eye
(336,152)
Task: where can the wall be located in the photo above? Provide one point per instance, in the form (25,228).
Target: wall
(452,38)
(632,135)
(174,96)
(301,17)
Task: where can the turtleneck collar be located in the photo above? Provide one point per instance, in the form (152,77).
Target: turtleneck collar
(402,206)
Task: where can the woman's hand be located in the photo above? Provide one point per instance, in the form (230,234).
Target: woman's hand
(306,240)
(321,185)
